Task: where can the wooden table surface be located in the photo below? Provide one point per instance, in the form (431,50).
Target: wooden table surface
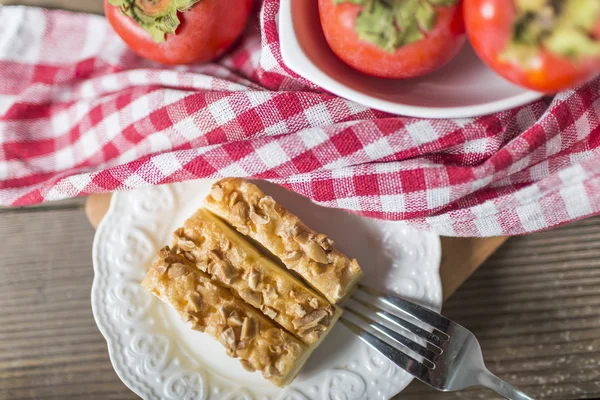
(533,306)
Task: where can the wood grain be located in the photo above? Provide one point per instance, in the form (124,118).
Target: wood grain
(50,347)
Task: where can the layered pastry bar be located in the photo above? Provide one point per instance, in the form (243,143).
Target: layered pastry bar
(246,334)
(312,255)
(231,260)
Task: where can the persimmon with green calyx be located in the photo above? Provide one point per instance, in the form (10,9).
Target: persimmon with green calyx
(543,45)
(393,38)
(178,31)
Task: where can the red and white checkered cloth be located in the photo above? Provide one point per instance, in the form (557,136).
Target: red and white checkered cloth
(81,114)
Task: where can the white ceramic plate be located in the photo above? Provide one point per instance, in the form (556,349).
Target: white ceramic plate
(463,88)
(158,356)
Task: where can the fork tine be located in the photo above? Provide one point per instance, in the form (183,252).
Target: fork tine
(408,326)
(394,304)
(404,361)
(404,341)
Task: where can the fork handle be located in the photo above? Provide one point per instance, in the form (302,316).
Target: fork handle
(492,382)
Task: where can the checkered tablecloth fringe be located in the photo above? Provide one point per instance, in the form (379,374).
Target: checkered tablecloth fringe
(81,114)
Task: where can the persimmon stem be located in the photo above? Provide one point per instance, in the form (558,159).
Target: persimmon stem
(157,17)
(153,7)
(396,23)
(564,28)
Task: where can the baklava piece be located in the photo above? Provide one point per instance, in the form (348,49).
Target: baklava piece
(312,255)
(246,334)
(230,259)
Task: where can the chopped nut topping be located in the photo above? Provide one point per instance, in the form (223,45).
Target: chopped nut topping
(197,326)
(253,278)
(266,202)
(292,256)
(179,232)
(189,256)
(234,197)
(225,271)
(269,292)
(251,297)
(300,236)
(325,243)
(171,259)
(239,212)
(228,338)
(281,229)
(234,319)
(258,218)
(247,366)
(217,193)
(307,330)
(269,312)
(176,270)
(186,316)
(248,329)
(299,311)
(309,320)
(202,266)
(339,263)
(314,303)
(316,252)
(224,312)
(225,244)
(215,255)
(185,244)
(196,300)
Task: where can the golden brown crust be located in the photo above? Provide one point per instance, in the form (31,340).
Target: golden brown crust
(312,255)
(211,308)
(228,258)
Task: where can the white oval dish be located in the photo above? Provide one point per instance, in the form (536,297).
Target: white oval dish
(464,88)
(158,356)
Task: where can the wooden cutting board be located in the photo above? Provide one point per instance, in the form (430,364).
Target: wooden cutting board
(460,256)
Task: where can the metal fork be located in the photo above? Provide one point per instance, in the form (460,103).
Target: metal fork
(447,357)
